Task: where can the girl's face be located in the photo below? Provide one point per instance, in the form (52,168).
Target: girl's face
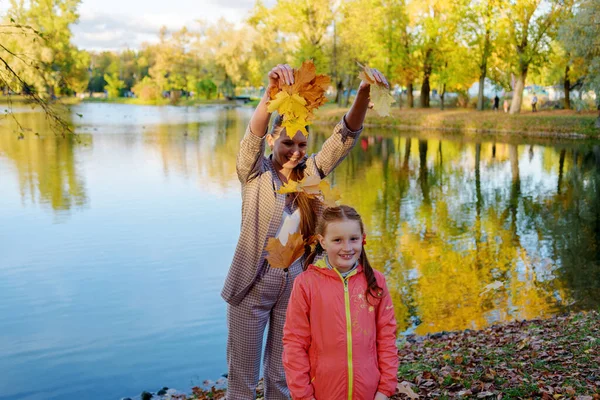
(343,243)
(288,152)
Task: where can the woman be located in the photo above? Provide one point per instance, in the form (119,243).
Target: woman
(256,293)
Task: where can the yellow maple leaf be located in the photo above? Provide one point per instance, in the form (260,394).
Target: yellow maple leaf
(288,104)
(293,124)
(382,100)
(280,256)
(307,86)
(289,187)
(330,195)
(310,185)
(313,186)
(380,94)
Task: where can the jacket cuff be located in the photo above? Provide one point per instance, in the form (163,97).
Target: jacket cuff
(386,392)
(347,132)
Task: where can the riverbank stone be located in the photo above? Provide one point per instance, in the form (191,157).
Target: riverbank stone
(145,396)
(162,391)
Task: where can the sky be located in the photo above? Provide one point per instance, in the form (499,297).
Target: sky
(120,24)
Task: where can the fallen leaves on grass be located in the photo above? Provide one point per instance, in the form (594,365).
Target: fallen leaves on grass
(554,359)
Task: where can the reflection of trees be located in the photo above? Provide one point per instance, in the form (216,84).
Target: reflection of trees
(446,218)
(210,149)
(46,165)
(572,219)
(443,228)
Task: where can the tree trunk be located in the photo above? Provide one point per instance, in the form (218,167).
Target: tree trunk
(425,88)
(339,92)
(480,102)
(515,105)
(442,97)
(350,81)
(567,87)
(410,99)
(483,67)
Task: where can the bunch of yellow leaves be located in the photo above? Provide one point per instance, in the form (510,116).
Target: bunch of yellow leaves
(280,256)
(380,94)
(313,186)
(296,102)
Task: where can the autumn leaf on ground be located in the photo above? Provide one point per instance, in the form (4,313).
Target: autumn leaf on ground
(405,388)
(280,256)
(380,94)
(296,102)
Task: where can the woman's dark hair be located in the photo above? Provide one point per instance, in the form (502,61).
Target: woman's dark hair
(307,206)
(341,213)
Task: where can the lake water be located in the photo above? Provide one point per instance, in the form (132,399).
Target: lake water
(114,247)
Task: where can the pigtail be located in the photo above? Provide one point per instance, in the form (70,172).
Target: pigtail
(313,254)
(373,289)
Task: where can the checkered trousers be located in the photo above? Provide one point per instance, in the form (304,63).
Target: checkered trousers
(266,302)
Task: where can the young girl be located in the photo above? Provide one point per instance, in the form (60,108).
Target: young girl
(339,339)
(257,295)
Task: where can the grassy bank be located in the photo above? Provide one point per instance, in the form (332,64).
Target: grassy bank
(559,123)
(556,358)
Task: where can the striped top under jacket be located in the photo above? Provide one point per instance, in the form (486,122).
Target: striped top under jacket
(262,207)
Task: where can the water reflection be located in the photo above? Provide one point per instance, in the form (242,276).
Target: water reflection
(45,165)
(468,232)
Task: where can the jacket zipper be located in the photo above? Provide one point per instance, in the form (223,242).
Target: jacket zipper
(348,332)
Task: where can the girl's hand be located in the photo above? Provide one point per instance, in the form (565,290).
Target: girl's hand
(379,78)
(281,75)
(380,396)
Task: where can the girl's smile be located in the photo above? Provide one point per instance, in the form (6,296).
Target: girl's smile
(342,241)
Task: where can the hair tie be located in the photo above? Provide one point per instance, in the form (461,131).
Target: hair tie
(364,239)
(318,247)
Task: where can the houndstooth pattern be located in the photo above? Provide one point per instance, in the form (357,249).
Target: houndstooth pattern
(258,294)
(266,301)
(262,207)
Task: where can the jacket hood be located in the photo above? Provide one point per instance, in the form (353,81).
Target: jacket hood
(321,267)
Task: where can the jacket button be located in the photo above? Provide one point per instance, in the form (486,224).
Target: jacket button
(286,269)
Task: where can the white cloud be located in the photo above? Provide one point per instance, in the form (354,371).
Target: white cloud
(120,24)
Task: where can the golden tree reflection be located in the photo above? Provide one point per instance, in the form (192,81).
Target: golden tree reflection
(45,165)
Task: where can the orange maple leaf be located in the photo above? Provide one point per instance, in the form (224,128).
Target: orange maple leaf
(280,256)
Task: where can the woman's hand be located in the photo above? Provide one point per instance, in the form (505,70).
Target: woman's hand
(356,115)
(379,78)
(281,75)
(380,396)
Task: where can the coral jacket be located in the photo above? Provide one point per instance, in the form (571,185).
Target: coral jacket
(337,346)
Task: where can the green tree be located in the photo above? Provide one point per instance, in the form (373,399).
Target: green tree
(207,88)
(114,86)
(532,24)
(307,21)
(581,35)
(481,32)
(58,66)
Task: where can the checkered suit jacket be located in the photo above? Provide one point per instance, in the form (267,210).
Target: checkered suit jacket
(262,207)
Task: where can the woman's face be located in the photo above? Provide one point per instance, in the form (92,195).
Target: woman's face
(288,152)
